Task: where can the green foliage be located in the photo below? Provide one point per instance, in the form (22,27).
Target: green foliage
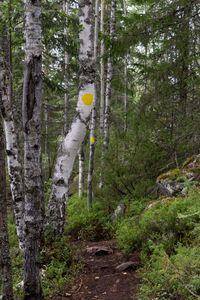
(87,224)
(167,222)
(128,236)
(59,266)
(167,234)
(58,259)
(172,277)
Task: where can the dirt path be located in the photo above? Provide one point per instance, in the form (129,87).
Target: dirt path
(99,279)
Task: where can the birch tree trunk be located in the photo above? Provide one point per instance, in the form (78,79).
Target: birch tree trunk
(81,159)
(32,149)
(93,119)
(109,78)
(5,261)
(12,150)
(70,146)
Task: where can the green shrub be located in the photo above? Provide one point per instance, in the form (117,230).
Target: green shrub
(128,236)
(175,277)
(167,222)
(93,224)
(59,266)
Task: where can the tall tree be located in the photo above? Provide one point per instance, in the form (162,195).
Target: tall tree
(109,77)
(94,115)
(70,146)
(12,148)
(66,64)
(5,261)
(32,148)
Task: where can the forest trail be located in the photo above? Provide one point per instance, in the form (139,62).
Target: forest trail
(99,278)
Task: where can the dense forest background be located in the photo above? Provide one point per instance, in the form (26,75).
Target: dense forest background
(144,122)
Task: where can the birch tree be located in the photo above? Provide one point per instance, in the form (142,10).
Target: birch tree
(72,142)
(5,261)
(12,150)
(81,158)
(32,148)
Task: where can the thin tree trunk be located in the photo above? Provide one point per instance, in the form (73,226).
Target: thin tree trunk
(66,79)
(33,222)
(69,148)
(5,261)
(125,78)
(109,79)
(93,119)
(102,87)
(12,150)
(81,159)
(102,71)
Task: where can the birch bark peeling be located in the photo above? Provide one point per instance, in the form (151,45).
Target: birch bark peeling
(13,161)
(32,95)
(72,142)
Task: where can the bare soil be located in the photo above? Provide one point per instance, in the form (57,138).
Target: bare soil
(99,279)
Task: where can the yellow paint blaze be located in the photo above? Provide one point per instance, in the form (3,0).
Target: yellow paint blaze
(87,99)
(92,140)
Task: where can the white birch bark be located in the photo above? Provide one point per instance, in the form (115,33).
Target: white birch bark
(73,140)
(109,78)
(81,172)
(5,261)
(32,95)
(13,161)
(93,119)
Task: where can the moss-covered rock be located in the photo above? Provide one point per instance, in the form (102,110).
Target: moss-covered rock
(174,182)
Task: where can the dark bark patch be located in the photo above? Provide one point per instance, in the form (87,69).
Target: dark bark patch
(9,152)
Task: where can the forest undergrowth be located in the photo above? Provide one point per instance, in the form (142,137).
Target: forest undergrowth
(165,232)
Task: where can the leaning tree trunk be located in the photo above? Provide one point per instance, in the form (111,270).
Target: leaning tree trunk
(5,261)
(32,149)
(13,161)
(93,119)
(109,78)
(70,146)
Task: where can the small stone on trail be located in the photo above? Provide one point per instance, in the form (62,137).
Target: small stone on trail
(97,278)
(127,266)
(68,295)
(99,250)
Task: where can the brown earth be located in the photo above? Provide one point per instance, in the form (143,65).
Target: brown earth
(99,279)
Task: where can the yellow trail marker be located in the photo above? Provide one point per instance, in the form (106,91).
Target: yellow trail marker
(87,99)
(92,140)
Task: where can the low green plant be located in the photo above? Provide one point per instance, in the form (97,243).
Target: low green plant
(60,264)
(167,277)
(86,224)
